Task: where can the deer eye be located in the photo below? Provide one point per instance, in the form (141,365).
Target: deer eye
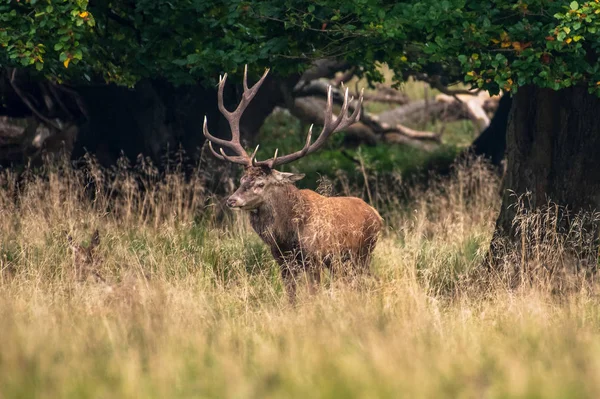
(260,184)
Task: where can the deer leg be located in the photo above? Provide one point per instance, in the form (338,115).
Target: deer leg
(314,277)
(289,271)
(289,276)
(363,263)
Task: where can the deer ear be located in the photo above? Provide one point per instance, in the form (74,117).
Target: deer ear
(287,177)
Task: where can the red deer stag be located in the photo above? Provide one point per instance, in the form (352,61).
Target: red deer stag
(303,229)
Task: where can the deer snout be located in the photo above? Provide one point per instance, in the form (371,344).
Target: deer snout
(233,202)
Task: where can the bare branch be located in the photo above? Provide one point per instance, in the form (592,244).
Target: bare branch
(28,103)
(372,121)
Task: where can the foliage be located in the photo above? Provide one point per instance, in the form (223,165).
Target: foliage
(124,41)
(495,45)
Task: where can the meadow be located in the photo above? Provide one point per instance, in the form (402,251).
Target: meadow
(181,298)
(191,305)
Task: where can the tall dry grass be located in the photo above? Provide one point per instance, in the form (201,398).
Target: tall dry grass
(191,305)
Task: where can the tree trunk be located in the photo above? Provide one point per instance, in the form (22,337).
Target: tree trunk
(553,138)
(156,118)
(491,143)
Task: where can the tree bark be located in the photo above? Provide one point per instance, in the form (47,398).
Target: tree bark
(553,138)
(491,143)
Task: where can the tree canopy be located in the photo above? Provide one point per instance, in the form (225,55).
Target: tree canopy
(496,45)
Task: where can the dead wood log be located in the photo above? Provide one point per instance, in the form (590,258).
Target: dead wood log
(318,88)
(474,105)
(387,95)
(421,111)
(310,110)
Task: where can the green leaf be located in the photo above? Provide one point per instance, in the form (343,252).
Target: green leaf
(574,5)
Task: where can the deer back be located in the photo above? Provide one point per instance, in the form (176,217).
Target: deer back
(337,225)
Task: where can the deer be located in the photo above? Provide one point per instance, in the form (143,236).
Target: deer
(87,269)
(304,230)
(85,259)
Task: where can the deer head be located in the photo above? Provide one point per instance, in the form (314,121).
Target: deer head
(85,261)
(260,177)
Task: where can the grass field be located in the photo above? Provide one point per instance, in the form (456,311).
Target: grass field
(192,304)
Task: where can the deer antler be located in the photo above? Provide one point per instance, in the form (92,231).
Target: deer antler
(233,118)
(332,124)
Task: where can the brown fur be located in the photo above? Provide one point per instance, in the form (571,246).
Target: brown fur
(306,231)
(85,260)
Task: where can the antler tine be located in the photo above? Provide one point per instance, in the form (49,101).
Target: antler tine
(242,160)
(216,154)
(245,83)
(220,103)
(233,118)
(330,126)
(328,109)
(224,157)
(253,160)
(274,159)
(253,156)
(343,112)
(347,120)
(212,138)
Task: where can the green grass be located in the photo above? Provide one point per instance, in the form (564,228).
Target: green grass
(285,132)
(194,307)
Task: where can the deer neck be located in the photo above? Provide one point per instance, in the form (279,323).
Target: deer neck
(276,220)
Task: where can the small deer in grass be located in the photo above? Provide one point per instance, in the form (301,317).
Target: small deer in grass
(85,260)
(304,230)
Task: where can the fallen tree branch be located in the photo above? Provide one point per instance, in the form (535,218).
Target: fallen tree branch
(386,95)
(74,95)
(421,111)
(474,107)
(319,88)
(310,110)
(344,77)
(28,103)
